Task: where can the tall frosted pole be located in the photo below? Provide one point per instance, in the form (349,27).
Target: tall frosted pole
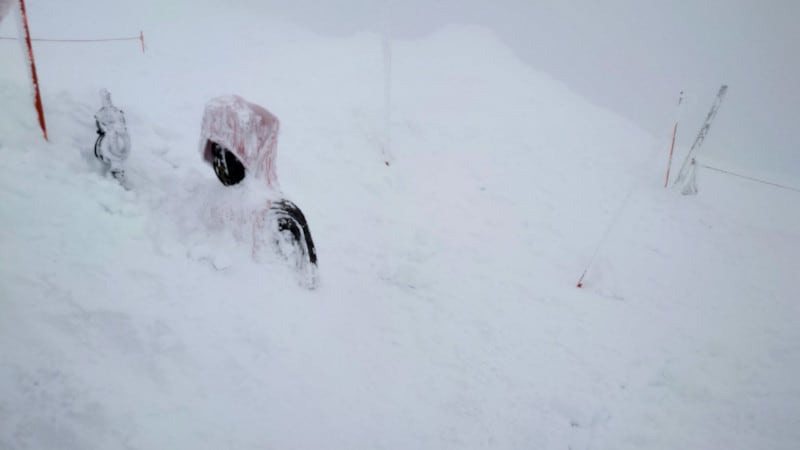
(688,171)
(387,83)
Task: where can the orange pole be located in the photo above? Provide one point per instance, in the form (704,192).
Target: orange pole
(38,96)
(671,149)
(672,146)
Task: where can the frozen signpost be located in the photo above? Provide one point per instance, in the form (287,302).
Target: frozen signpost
(688,172)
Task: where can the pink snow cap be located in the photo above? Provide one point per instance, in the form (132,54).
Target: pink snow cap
(247,130)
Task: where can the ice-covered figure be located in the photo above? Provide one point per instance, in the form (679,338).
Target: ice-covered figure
(113,143)
(239,140)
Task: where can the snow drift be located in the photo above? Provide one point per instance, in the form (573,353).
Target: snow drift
(448,317)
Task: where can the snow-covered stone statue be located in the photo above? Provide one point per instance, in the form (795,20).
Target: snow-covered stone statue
(239,140)
(113,143)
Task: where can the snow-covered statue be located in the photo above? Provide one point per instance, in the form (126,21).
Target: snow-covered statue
(239,140)
(113,143)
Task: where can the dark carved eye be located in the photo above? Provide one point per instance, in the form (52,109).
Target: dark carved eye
(228,168)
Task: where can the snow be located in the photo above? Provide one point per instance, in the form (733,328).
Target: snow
(447,314)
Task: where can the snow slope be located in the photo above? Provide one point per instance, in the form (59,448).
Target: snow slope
(447,315)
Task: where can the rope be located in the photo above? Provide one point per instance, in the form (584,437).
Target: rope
(139,38)
(607,233)
(751,178)
(648,159)
(75,40)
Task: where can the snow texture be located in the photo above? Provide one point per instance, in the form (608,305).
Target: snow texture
(448,317)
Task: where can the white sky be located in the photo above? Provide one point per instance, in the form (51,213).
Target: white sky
(632,57)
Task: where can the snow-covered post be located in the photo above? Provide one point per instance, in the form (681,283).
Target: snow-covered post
(35,79)
(387,83)
(690,184)
(688,171)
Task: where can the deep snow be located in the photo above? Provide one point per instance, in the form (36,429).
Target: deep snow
(447,315)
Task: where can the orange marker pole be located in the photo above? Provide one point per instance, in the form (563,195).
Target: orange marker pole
(671,149)
(38,96)
(672,146)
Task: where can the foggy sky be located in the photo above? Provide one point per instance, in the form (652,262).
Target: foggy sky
(632,57)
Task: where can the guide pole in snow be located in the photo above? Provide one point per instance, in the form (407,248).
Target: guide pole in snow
(387,96)
(386,51)
(672,146)
(141,39)
(689,167)
(671,149)
(34,77)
